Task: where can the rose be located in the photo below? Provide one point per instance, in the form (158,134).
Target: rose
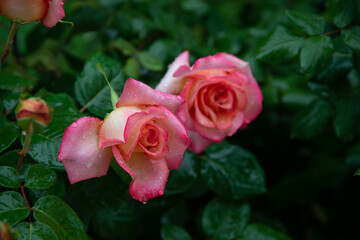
(143,134)
(33,114)
(221,95)
(48,11)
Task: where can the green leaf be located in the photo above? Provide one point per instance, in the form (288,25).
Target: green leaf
(12,208)
(34,231)
(223,220)
(91,89)
(181,179)
(57,189)
(351,37)
(305,23)
(15,83)
(345,13)
(149,61)
(9,177)
(347,113)
(11,159)
(316,51)
(55,213)
(262,232)
(173,232)
(124,46)
(279,46)
(132,68)
(312,120)
(115,217)
(9,132)
(40,176)
(44,146)
(232,171)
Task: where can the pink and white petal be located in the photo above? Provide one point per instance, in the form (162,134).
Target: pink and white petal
(184,116)
(121,161)
(54,13)
(169,83)
(138,93)
(112,130)
(241,66)
(198,143)
(79,151)
(254,102)
(150,177)
(207,63)
(178,140)
(238,122)
(217,135)
(133,128)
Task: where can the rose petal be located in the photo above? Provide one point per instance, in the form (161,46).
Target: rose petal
(207,63)
(254,102)
(149,176)
(198,143)
(138,93)
(112,130)
(120,160)
(217,135)
(169,83)
(241,66)
(79,150)
(54,14)
(178,140)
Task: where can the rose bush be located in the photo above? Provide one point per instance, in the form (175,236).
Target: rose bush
(143,134)
(221,95)
(49,12)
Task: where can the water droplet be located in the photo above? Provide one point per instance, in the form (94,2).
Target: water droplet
(74,125)
(162,98)
(141,84)
(144,202)
(179,97)
(89,164)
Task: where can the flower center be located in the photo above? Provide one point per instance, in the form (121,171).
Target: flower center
(153,140)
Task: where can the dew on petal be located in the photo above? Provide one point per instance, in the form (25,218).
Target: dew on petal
(74,125)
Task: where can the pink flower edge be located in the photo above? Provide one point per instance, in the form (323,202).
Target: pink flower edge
(133,89)
(169,83)
(79,151)
(149,176)
(54,14)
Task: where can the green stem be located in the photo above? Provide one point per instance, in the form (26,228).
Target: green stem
(25,149)
(22,154)
(9,42)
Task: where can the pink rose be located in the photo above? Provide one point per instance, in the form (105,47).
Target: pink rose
(49,12)
(143,134)
(221,95)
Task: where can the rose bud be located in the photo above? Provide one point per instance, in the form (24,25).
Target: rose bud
(49,12)
(33,114)
(221,95)
(142,133)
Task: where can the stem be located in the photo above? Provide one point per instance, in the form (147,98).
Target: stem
(9,41)
(22,154)
(24,150)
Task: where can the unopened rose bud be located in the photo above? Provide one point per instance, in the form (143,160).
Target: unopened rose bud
(33,114)
(49,12)
(5,233)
